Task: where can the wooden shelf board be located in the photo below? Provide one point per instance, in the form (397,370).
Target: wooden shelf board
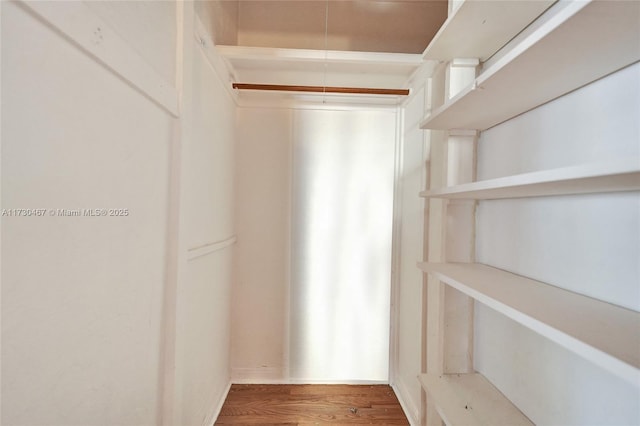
(478,29)
(614,176)
(308,67)
(585,41)
(272,60)
(266,54)
(471,400)
(603,333)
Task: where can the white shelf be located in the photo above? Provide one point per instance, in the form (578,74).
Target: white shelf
(264,65)
(255,56)
(584,41)
(605,334)
(471,400)
(478,29)
(615,176)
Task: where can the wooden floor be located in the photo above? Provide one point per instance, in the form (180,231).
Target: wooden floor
(311,405)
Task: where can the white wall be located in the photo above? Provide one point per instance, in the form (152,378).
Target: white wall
(409,281)
(204,290)
(261,325)
(81,296)
(342,219)
(589,244)
(95,328)
(260,293)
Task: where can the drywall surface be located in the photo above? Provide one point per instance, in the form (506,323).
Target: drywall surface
(589,244)
(203,338)
(269,311)
(409,304)
(204,292)
(86,334)
(81,295)
(209,169)
(263,173)
(342,217)
(551,385)
(596,123)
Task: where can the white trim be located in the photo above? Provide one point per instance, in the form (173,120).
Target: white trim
(209,248)
(276,376)
(1,174)
(257,375)
(331,102)
(258,381)
(300,100)
(213,415)
(410,409)
(303,67)
(464,62)
(396,244)
(286,355)
(459,132)
(418,80)
(78,23)
(321,56)
(174,258)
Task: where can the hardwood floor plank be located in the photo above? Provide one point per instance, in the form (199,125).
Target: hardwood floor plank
(311,405)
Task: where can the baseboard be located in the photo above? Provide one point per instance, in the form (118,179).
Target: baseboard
(213,415)
(277,376)
(256,375)
(410,409)
(257,381)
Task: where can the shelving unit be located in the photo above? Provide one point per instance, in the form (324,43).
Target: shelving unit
(577,322)
(582,43)
(528,57)
(478,29)
(307,67)
(471,400)
(615,176)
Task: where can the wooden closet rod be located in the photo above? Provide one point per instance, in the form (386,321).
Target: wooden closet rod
(321,89)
